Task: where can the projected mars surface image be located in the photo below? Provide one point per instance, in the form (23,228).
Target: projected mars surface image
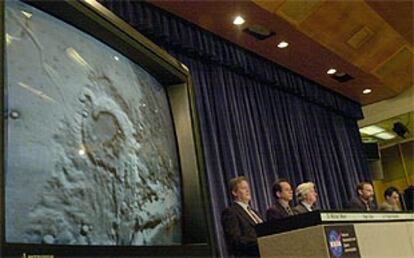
(91,155)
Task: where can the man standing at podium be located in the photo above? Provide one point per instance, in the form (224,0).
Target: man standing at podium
(283,193)
(239,220)
(364,199)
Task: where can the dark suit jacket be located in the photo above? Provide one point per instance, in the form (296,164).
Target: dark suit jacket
(277,211)
(239,231)
(300,208)
(355,204)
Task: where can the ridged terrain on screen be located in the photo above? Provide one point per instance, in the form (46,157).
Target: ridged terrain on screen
(91,155)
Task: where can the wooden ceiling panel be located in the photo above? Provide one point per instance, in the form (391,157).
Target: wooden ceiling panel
(346,35)
(271,6)
(399,14)
(336,22)
(398,70)
(360,37)
(296,11)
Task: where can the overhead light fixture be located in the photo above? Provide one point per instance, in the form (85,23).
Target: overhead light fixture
(116,58)
(331,71)
(238,20)
(282,44)
(385,136)
(371,130)
(366,91)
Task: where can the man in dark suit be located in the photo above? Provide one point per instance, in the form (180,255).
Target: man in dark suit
(306,196)
(364,199)
(283,193)
(239,221)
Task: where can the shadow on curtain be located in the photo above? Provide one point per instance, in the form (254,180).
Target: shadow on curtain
(258,119)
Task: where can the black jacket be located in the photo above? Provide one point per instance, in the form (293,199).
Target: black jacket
(356,204)
(239,231)
(277,211)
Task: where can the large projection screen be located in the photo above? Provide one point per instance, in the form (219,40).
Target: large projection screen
(100,141)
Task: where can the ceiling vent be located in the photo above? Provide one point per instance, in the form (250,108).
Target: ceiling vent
(259,32)
(360,37)
(341,77)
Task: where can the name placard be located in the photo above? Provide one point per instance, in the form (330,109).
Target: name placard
(365,216)
(37,256)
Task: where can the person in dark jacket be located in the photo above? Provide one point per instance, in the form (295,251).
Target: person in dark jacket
(364,199)
(239,221)
(283,194)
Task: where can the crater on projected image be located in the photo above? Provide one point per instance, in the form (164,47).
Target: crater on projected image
(91,150)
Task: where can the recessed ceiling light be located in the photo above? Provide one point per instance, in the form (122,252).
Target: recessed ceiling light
(116,58)
(238,20)
(282,44)
(371,130)
(367,91)
(385,136)
(331,71)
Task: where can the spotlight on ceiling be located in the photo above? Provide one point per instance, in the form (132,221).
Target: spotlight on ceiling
(366,91)
(238,20)
(282,44)
(331,71)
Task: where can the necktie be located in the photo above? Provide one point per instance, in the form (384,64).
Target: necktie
(254,216)
(289,210)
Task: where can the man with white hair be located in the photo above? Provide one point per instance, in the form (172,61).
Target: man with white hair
(306,196)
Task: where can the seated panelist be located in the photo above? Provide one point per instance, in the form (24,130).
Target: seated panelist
(239,221)
(364,199)
(306,196)
(392,200)
(282,191)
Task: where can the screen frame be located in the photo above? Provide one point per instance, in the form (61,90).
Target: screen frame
(92,18)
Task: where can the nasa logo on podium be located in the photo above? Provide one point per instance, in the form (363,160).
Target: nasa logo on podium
(341,241)
(335,243)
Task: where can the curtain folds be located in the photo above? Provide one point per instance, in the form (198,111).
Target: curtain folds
(258,119)
(178,35)
(263,133)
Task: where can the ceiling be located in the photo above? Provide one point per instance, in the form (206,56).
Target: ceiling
(370,40)
(407,120)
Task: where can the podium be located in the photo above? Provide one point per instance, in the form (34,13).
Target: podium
(334,234)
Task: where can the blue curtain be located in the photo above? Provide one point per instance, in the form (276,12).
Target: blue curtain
(257,118)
